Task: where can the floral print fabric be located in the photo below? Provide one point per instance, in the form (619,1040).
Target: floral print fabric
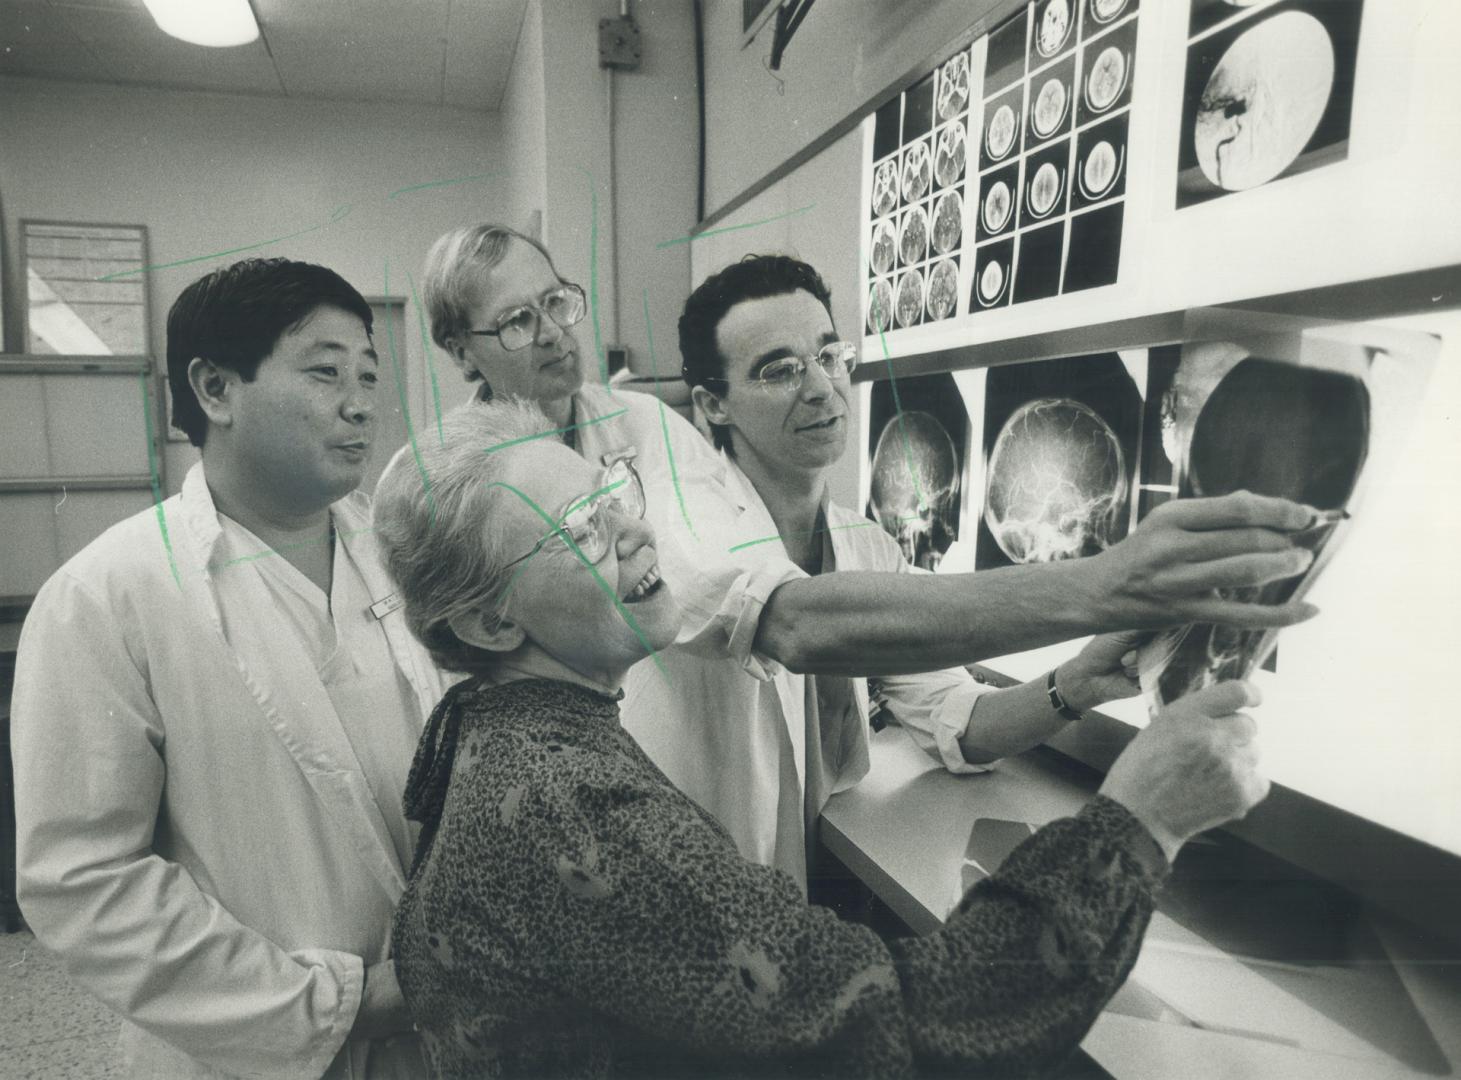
(572,914)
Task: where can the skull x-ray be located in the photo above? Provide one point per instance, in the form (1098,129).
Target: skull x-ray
(1265,421)
(919,431)
(1060,448)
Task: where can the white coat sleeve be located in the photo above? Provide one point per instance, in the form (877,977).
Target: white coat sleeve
(721,577)
(935,706)
(132,928)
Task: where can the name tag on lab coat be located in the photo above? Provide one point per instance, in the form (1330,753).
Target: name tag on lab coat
(381,608)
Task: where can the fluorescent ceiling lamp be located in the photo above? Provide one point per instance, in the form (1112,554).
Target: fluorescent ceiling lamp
(216,23)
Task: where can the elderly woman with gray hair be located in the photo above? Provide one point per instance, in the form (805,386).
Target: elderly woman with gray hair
(570,912)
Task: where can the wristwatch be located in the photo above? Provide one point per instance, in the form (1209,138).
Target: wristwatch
(1056,701)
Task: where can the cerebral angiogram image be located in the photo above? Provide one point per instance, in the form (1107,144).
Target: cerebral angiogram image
(1060,443)
(1269,426)
(918,438)
(1267,96)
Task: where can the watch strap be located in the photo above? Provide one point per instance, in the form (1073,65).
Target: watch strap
(1057,702)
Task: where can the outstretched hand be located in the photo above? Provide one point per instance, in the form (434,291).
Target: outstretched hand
(1167,571)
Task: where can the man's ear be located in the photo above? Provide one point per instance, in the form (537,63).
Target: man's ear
(711,406)
(486,630)
(213,387)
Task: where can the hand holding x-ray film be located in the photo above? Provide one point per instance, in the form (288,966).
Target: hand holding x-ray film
(1277,419)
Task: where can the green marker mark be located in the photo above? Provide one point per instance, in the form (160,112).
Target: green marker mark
(338,214)
(428,352)
(554,431)
(811,532)
(598,578)
(442,183)
(172,561)
(401,392)
(268,552)
(512,581)
(898,405)
(732,228)
(664,422)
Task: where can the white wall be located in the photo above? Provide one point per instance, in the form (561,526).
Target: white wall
(622,203)
(524,132)
(844,53)
(211,173)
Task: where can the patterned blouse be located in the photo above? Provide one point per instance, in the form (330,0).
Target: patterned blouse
(570,913)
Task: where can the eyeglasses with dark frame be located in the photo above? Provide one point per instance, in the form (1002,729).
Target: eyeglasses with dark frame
(585,520)
(519,328)
(837,359)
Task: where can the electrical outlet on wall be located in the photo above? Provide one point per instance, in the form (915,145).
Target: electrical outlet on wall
(619,45)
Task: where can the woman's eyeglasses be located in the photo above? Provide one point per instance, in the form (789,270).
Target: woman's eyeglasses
(585,519)
(519,328)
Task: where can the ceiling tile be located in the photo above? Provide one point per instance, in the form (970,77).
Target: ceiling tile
(136,51)
(35,39)
(455,52)
(480,42)
(361,66)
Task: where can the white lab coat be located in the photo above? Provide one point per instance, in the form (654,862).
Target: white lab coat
(720,718)
(196,838)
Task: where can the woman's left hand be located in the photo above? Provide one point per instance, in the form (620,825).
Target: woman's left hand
(1105,670)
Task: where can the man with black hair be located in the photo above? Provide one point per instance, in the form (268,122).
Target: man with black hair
(215,708)
(760,710)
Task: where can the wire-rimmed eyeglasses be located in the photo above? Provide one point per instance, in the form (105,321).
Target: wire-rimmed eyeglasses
(585,519)
(519,328)
(785,376)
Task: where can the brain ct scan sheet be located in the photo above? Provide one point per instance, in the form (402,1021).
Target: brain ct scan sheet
(999,176)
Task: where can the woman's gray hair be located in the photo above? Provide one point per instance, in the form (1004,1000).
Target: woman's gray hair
(454,268)
(435,508)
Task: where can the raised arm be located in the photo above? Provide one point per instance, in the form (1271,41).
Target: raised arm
(1163,574)
(131,927)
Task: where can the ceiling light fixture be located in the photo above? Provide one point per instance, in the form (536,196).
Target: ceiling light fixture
(215,23)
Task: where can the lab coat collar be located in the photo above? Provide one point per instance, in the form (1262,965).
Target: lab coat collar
(288,690)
